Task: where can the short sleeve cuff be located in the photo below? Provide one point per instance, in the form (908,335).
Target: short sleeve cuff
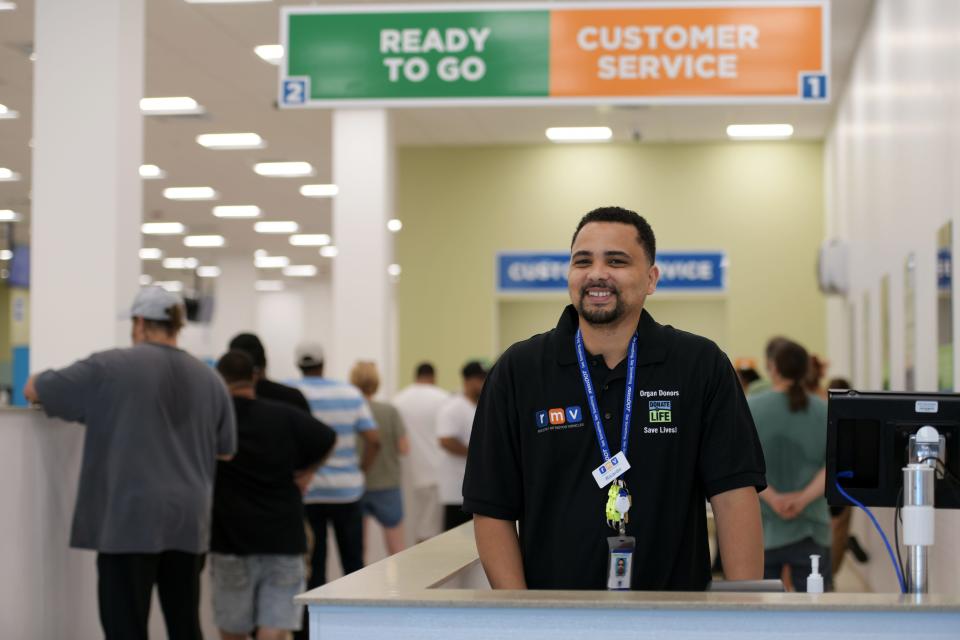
(736,481)
(481,508)
(366,424)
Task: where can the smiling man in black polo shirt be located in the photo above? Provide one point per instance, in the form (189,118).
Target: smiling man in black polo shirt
(556,423)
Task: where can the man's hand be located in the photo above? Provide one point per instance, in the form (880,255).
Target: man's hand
(371,447)
(302,479)
(739,533)
(30,390)
(783,504)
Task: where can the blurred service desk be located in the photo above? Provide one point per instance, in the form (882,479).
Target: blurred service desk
(437,590)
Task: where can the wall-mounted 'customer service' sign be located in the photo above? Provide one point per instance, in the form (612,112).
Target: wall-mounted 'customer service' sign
(738,51)
(544,272)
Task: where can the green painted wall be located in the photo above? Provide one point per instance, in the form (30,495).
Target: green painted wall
(762,203)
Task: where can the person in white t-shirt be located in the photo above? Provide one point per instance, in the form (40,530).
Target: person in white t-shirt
(418,405)
(454,423)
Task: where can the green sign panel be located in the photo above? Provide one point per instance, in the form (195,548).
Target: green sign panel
(382,56)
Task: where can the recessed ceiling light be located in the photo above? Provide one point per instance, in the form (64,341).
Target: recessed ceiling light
(394,225)
(6,254)
(152,172)
(8,215)
(260,253)
(271,262)
(230,141)
(176,106)
(319,190)
(309,239)
(7,113)
(163,228)
(170,285)
(283,169)
(8,175)
(329,251)
(268,285)
(180,263)
(237,211)
(204,241)
(759,131)
(208,272)
(145,280)
(579,134)
(8,6)
(272,53)
(190,193)
(276,226)
(394,270)
(150,253)
(300,271)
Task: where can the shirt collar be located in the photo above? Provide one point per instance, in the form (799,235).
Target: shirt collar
(651,348)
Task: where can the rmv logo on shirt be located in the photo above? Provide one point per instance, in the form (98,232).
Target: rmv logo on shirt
(559,417)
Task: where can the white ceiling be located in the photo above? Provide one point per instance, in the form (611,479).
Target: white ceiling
(206,51)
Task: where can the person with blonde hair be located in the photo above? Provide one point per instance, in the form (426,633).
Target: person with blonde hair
(382,498)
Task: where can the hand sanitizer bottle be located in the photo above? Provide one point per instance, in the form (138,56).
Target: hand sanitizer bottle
(815,580)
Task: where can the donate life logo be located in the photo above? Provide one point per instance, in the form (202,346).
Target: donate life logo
(660,411)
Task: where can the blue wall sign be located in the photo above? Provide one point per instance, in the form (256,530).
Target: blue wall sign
(544,272)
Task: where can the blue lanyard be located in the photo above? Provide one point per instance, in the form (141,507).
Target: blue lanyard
(592,396)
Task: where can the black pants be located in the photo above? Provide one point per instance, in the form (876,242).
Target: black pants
(347,520)
(454,516)
(125,585)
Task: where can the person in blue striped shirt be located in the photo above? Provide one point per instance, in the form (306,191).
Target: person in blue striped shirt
(333,496)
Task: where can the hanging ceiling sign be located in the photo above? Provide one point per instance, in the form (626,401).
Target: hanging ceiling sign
(742,52)
(540,272)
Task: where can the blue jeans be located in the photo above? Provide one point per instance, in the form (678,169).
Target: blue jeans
(797,556)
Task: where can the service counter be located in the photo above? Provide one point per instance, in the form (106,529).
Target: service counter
(437,590)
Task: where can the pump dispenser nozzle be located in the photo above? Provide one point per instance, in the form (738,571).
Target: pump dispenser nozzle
(815,580)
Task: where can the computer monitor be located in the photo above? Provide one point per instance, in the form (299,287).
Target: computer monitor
(868,434)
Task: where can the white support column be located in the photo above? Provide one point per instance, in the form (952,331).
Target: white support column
(362,292)
(87,196)
(235,301)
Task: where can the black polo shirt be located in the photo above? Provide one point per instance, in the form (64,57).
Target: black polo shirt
(691,438)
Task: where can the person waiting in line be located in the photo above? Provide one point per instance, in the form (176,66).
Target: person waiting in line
(156,421)
(334,492)
(764,384)
(382,498)
(418,405)
(257,538)
(267,389)
(454,424)
(792,425)
(816,371)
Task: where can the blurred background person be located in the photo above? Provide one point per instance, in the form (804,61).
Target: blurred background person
(816,372)
(454,424)
(792,425)
(382,498)
(764,384)
(419,405)
(267,389)
(257,539)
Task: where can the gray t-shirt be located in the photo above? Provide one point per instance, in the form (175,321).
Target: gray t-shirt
(384,473)
(156,420)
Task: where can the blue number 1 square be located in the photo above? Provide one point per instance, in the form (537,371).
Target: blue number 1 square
(813,86)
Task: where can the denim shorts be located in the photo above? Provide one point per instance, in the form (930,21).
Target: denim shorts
(256,591)
(386,505)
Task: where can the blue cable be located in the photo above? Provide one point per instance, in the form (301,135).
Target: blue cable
(896,565)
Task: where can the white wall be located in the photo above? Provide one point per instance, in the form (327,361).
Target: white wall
(891,161)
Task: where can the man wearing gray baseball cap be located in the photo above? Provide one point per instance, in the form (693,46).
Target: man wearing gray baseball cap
(156,421)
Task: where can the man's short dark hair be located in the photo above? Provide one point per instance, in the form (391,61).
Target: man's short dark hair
(473,369)
(624,216)
(236,366)
(250,344)
(425,369)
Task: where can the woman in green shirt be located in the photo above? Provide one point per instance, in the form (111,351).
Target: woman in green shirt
(792,426)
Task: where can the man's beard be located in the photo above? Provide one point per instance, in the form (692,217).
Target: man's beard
(600,316)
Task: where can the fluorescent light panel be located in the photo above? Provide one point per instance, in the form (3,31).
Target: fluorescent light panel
(225,1)
(276,226)
(230,141)
(190,193)
(759,131)
(271,262)
(145,280)
(272,53)
(150,253)
(9,215)
(300,271)
(204,241)
(283,169)
(152,172)
(309,239)
(173,106)
(268,285)
(163,228)
(237,211)
(180,263)
(208,272)
(329,251)
(579,134)
(8,6)
(8,175)
(6,254)
(170,285)
(319,190)
(5,112)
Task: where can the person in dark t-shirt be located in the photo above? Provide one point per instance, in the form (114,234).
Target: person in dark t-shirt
(257,539)
(267,389)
